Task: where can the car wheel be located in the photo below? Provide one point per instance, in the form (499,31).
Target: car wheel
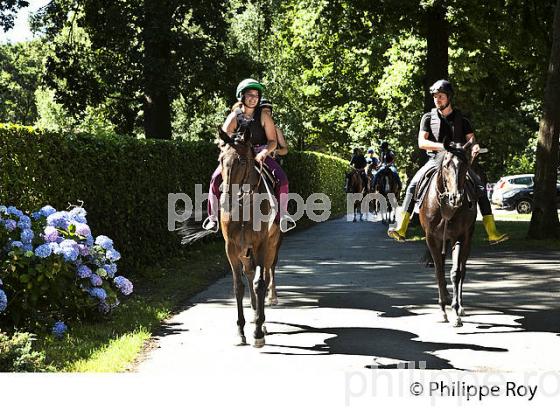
(524,206)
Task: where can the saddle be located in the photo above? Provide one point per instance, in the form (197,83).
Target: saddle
(422,189)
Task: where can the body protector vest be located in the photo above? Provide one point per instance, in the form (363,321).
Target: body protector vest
(455,130)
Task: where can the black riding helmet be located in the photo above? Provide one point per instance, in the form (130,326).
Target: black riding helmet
(442,86)
(266,104)
(384,146)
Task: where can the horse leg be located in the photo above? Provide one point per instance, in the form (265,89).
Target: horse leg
(249,269)
(465,251)
(435,249)
(239,290)
(272,295)
(456,280)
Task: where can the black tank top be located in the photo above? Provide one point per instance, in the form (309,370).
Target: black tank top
(256,130)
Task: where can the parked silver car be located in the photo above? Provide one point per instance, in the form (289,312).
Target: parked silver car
(508,183)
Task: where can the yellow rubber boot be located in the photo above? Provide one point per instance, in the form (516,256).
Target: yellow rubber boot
(400,233)
(493,235)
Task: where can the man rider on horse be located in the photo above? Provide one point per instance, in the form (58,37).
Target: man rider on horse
(387,165)
(359,163)
(444,122)
(248,114)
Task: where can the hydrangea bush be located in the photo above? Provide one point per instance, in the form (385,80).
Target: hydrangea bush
(53,268)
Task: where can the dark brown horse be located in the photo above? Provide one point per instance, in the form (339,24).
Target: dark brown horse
(251,242)
(356,186)
(447,214)
(386,185)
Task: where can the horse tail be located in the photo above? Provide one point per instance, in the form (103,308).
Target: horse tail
(191,231)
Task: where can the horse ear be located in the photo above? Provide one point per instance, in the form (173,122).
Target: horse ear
(224,136)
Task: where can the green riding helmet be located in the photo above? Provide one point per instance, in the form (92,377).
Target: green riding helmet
(248,84)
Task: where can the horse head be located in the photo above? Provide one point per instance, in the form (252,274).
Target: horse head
(454,169)
(236,157)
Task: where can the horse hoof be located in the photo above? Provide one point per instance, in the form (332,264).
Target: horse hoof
(259,343)
(461,312)
(458,323)
(242,341)
(272,301)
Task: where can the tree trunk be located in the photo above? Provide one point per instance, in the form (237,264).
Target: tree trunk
(436,31)
(157,66)
(437,61)
(544,222)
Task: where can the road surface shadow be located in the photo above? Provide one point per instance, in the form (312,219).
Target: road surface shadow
(390,344)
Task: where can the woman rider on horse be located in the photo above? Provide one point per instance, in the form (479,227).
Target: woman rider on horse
(248,114)
(444,122)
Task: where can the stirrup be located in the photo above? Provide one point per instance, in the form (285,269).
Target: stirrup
(211,224)
(287,223)
(504,237)
(392,233)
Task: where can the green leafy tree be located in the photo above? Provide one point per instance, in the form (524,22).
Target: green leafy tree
(21,72)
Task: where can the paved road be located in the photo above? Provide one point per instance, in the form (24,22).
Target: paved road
(351,299)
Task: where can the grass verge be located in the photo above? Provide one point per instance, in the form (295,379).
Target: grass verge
(516,229)
(113,344)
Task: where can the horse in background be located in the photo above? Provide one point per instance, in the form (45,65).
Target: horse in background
(448,213)
(387,184)
(356,185)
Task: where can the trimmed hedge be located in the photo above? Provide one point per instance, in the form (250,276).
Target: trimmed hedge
(124,182)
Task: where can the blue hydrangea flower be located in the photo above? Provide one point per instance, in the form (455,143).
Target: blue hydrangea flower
(111,269)
(98,293)
(113,255)
(27,236)
(36,215)
(12,210)
(69,250)
(59,329)
(78,214)
(83,250)
(3,301)
(96,280)
(3,209)
(124,285)
(69,254)
(58,220)
(82,229)
(89,240)
(104,242)
(55,247)
(10,225)
(24,222)
(50,234)
(17,244)
(47,211)
(27,247)
(43,251)
(84,271)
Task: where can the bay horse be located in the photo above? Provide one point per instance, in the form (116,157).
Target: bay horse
(251,243)
(387,184)
(447,214)
(356,186)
